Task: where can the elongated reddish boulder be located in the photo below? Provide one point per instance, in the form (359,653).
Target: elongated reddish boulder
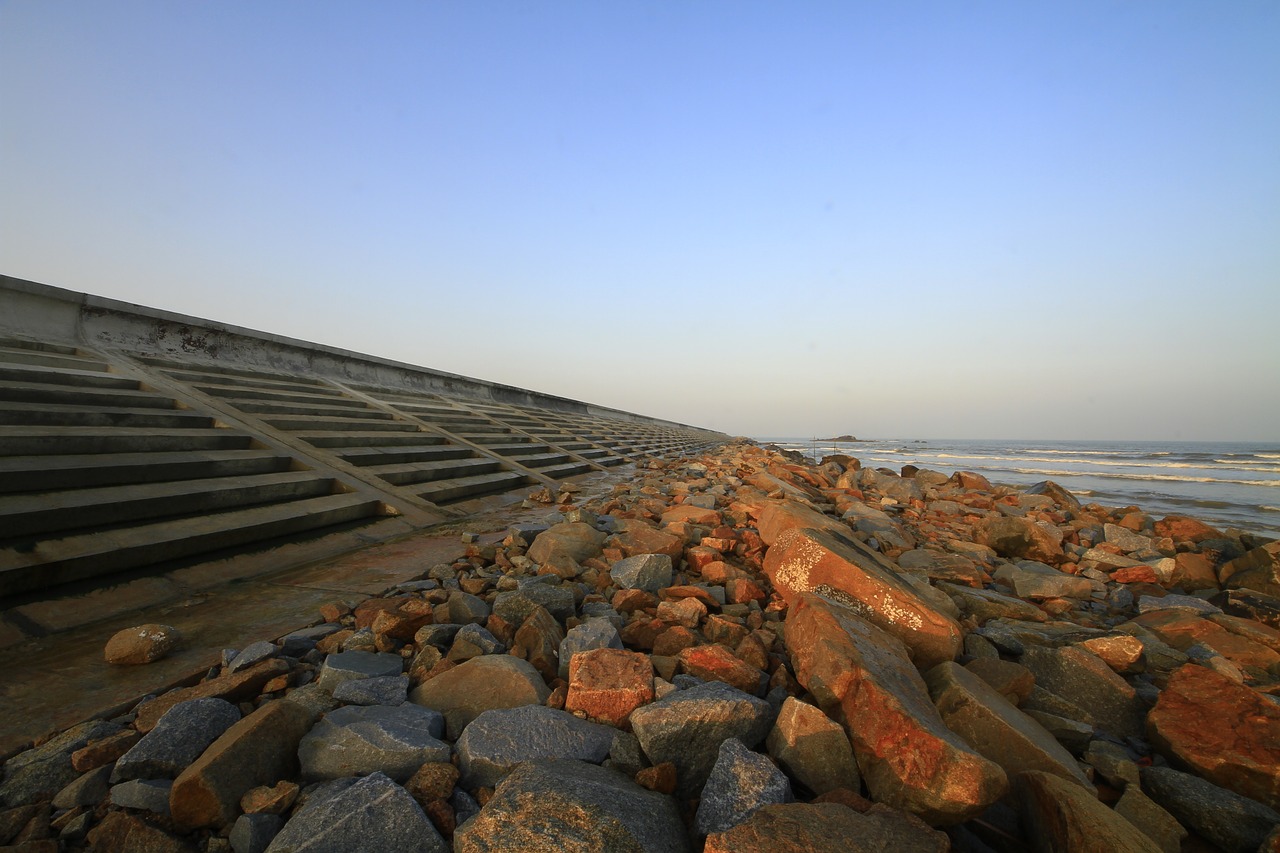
(806,560)
(1225,731)
(862,676)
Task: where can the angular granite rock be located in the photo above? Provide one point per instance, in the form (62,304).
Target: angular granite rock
(1226,732)
(372,813)
(1085,680)
(594,633)
(686,727)
(496,741)
(741,782)
(184,732)
(481,684)
(43,771)
(574,807)
(862,677)
(829,828)
(805,560)
(812,748)
(234,687)
(650,572)
(1020,539)
(347,666)
(609,684)
(1064,818)
(1234,823)
(573,539)
(995,728)
(360,739)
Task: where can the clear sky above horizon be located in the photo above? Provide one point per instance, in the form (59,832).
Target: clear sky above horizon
(941,219)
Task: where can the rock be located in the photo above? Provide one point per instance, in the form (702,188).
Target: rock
(1126,540)
(1058,494)
(472,641)
(689,513)
(141,645)
(877,524)
(1086,681)
(1155,823)
(538,640)
(609,684)
(687,727)
(87,790)
(260,749)
(714,662)
(105,750)
(1227,733)
(1019,539)
(862,676)
(1234,823)
(804,560)
(496,741)
(481,684)
(1113,763)
(252,833)
(251,654)
(463,608)
(1180,528)
(940,566)
(346,666)
(777,517)
(986,604)
(358,740)
(576,540)
(650,572)
(829,828)
(433,781)
(596,633)
(372,813)
(276,799)
(178,739)
(1192,572)
(1258,569)
(150,795)
(812,748)
(994,727)
(41,772)
(573,807)
(517,605)
(233,687)
(1123,653)
(1034,580)
(120,832)
(1152,603)
(1064,817)
(383,690)
(740,783)
(638,537)
(1011,680)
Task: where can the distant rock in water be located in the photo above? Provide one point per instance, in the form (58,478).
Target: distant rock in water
(841,438)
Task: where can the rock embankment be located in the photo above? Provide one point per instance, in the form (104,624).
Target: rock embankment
(733,653)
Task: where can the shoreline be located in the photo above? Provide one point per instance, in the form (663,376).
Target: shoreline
(927,585)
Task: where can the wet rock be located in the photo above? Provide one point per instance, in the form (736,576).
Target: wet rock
(260,749)
(346,666)
(1226,732)
(649,572)
(609,684)
(741,782)
(994,727)
(573,539)
(372,813)
(1019,539)
(42,771)
(805,560)
(494,743)
(1084,680)
(1234,823)
(687,727)
(481,684)
(1062,816)
(384,690)
(357,740)
(829,828)
(862,676)
(590,634)
(184,732)
(574,807)
(141,645)
(812,748)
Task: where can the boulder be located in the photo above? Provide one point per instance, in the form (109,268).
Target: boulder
(481,684)
(607,685)
(1156,823)
(42,771)
(359,739)
(862,676)
(494,743)
(805,560)
(812,748)
(777,517)
(829,828)
(372,813)
(384,690)
(1060,496)
(234,687)
(1234,823)
(184,732)
(741,782)
(593,633)
(1258,570)
(1226,732)
(1019,539)
(346,666)
(141,645)
(714,662)
(538,640)
(574,807)
(576,540)
(1086,681)
(1180,528)
(634,537)
(517,605)
(686,727)
(650,572)
(1065,818)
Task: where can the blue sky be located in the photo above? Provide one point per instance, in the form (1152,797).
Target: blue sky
(950,219)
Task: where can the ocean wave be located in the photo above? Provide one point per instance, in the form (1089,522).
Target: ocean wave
(1107,462)
(1163,478)
(1266,508)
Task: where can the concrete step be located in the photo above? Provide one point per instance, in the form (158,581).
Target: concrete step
(44,440)
(304,407)
(565,469)
(45,392)
(65,360)
(442,492)
(493,440)
(426,472)
(27,517)
(344,440)
(527,448)
(57,414)
(304,394)
(539,460)
(224,382)
(92,555)
(81,378)
(47,473)
(301,423)
(420,452)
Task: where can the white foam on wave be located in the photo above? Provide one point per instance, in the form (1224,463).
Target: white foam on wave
(1167,478)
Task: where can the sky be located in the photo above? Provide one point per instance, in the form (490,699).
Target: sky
(897,220)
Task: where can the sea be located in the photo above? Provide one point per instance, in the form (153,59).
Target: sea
(1225,484)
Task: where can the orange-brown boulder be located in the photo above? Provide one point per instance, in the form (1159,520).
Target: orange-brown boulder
(714,662)
(639,537)
(777,517)
(828,828)
(1225,731)
(862,677)
(1020,539)
(1064,818)
(608,684)
(1179,528)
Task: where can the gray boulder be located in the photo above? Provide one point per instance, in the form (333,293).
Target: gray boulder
(472,641)
(517,605)
(384,690)
(496,741)
(184,732)
(150,795)
(362,739)
(650,572)
(346,666)
(594,633)
(741,782)
(372,813)
(253,833)
(251,654)
(1234,823)
(44,770)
